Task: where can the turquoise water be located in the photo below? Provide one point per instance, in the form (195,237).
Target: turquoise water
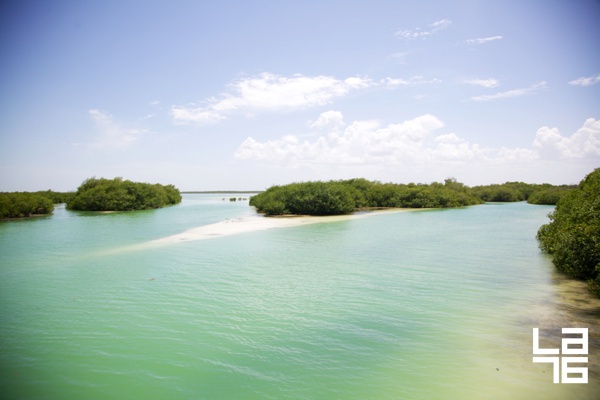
(436,304)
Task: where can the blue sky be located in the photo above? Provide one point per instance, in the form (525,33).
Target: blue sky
(245,94)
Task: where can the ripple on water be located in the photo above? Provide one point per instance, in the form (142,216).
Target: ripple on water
(423,305)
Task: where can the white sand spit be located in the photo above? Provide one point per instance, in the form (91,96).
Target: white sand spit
(257,223)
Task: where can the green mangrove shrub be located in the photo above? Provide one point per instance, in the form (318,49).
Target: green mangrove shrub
(572,238)
(122,195)
(345,196)
(24,204)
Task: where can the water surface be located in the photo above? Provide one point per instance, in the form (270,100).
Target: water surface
(420,305)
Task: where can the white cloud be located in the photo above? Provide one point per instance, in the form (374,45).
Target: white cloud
(329,119)
(511,93)
(420,33)
(415,80)
(112,134)
(482,40)
(270,92)
(361,143)
(583,143)
(448,138)
(487,83)
(586,81)
(413,146)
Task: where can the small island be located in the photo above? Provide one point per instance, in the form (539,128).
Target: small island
(24,204)
(346,196)
(122,195)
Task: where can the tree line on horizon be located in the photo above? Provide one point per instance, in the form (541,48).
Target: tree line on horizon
(345,196)
(119,195)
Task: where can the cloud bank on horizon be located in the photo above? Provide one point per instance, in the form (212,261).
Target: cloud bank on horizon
(273,93)
(414,142)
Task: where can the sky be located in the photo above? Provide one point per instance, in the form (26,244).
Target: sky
(242,95)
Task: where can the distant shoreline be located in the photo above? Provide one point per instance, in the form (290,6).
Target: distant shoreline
(221,191)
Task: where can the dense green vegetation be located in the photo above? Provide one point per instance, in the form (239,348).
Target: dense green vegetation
(550,195)
(343,197)
(122,195)
(26,204)
(23,204)
(57,197)
(572,238)
(310,198)
(519,191)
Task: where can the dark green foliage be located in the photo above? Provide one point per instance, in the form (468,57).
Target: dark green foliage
(23,204)
(500,193)
(122,195)
(308,198)
(549,196)
(57,197)
(342,197)
(320,198)
(519,191)
(294,198)
(572,237)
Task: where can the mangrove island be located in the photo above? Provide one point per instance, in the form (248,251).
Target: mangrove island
(346,196)
(122,195)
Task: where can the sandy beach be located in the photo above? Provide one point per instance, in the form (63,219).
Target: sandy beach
(258,223)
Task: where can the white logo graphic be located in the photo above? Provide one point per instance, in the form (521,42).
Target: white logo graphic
(570,346)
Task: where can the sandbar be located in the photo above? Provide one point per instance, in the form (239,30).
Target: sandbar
(259,222)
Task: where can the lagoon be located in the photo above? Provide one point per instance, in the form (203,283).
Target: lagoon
(422,305)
